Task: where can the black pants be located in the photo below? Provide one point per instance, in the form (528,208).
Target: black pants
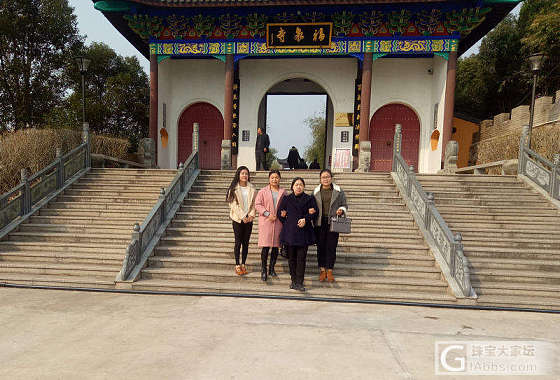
(242,232)
(296,257)
(261,160)
(326,245)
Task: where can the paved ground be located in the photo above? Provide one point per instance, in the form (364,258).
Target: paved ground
(48,334)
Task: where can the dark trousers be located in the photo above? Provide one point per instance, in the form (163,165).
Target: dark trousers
(326,245)
(261,160)
(242,232)
(297,256)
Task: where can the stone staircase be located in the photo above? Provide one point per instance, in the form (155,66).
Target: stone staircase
(80,238)
(385,257)
(511,236)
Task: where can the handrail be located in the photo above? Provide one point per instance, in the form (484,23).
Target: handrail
(544,173)
(448,249)
(127,163)
(144,235)
(480,169)
(27,197)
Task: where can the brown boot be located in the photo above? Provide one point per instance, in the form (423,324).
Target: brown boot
(330,276)
(322,275)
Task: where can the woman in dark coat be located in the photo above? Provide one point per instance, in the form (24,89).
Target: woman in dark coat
(297,212)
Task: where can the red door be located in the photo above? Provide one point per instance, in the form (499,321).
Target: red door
(382,133)
(211,131)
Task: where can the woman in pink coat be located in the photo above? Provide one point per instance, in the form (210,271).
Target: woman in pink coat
(266,203)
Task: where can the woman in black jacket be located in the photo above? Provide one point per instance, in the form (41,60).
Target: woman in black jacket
(297,212)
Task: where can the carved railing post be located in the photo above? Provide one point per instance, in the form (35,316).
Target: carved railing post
(554,186)
(462,267)
(86,138)
(182,180)
(59,169)
(25,192)
(523,141)
(396,145)
(162,198)
(195,134)
(428,213)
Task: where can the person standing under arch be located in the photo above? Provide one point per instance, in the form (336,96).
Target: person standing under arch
(241,199)
(331,202)
(262,147)
(267,202)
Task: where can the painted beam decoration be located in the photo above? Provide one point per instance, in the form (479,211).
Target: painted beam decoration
(390,30)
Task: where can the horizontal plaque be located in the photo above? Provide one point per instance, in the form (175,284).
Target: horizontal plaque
(299,35)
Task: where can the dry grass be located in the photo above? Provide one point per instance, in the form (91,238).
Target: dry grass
(36,148)
(546,142)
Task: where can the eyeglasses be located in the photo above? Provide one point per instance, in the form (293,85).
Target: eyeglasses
(325,177)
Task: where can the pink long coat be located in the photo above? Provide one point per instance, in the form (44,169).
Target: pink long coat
(269,232)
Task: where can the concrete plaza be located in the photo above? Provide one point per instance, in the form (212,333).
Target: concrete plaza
(48,334)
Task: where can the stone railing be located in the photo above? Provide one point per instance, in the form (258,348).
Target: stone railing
(146,235)
(542,172)
(447,249)
(38,189)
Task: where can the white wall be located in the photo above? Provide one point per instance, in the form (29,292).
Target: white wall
(335,75)
(181,83)
(417,83)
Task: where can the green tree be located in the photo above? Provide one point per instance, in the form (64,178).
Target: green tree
(117,97)
(271,156)
(317,148)
(36,36)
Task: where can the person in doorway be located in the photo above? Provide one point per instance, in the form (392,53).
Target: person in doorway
(314,165)
(302,164)
(267,202)
(241,199)
(297,212)
(331,202)
(261,149)
(293,158)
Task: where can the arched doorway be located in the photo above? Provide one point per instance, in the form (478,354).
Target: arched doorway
(211,131)
(382,132)
(298,112)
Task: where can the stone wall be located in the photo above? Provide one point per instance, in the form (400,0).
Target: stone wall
(499,138)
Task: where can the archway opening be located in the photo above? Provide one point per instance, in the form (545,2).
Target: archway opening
(211,131)
(298,113)
(382,132)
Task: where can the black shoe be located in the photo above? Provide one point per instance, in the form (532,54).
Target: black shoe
(273,258)
(264,276)
(299,287)
(293,286)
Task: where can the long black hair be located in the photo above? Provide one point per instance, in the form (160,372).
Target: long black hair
(294,181)
(230,195)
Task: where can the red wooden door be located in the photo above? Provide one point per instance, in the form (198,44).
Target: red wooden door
(382,132)
(211,131)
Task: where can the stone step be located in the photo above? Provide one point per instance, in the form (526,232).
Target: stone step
(483,275)
(521,254)
(99,213)
(106,193)
(70,237)
(229,239)
(536,264)
(519,290)
(344,263)
(110,182)
(343,249)
(475,217)
(466,178)
(508,242)
(514,209)
(82,220)
(133,170)
(101,248)
(190,226)
(125,201)
(528,228)
(358,235)
(114,261)
(102,206)
(493,203)
(57,280)
(521,301)
(542,236)
(105,230)
(103,271)
(215,275)
(314,289)
(508,250)
(125,187)
(349,190)
(371,210)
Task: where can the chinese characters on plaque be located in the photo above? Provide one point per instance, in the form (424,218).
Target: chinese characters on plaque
(302,35)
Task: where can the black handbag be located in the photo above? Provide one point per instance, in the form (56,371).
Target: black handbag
(340,224)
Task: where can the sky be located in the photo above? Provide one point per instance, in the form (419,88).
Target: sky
(95,26)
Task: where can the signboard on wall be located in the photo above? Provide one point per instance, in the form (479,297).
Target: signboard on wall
(343,159)
(299,35)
